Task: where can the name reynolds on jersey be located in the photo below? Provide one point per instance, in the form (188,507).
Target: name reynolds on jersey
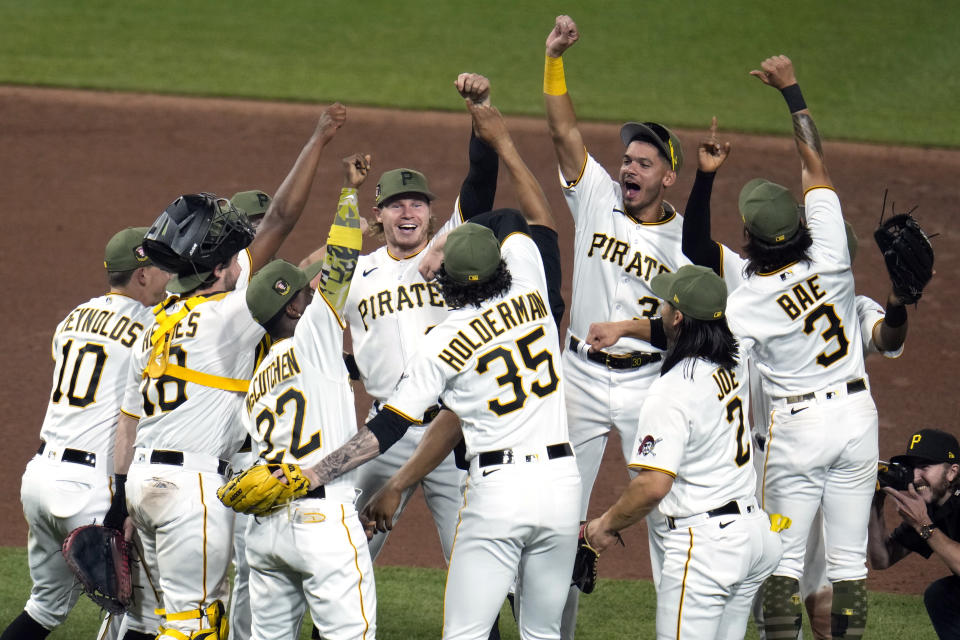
(418,294)
(283,367)
(103,323)
(512,312)
(615,252)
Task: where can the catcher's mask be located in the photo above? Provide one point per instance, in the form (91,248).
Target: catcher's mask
(197,232)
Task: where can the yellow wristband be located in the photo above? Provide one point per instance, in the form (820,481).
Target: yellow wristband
(348,237)
(554,83)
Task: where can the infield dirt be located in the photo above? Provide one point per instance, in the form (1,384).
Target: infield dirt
(78,166)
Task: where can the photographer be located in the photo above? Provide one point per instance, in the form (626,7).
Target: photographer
(930,508)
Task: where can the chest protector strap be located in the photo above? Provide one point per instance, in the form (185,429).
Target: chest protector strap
(159,363)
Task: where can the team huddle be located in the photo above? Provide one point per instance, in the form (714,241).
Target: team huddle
(204,406)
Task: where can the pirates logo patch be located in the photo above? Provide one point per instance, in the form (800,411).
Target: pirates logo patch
(647,445)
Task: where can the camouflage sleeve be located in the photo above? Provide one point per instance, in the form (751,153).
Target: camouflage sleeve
(343,249)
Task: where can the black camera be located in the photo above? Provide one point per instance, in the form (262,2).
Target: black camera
(894,474)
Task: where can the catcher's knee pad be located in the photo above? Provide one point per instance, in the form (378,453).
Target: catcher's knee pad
(217,624)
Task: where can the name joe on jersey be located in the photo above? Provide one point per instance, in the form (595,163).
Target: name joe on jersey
(418,294)
(102,322)
(615,252)
(283,367)
(512,312)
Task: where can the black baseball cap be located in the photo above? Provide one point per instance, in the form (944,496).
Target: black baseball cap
(659,136)
(930,445)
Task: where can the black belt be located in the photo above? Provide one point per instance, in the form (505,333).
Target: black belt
(161,456)
(319,492)
(729,509)
(620,361)
(428,415)
(505,456)
(854,386)
(74,455)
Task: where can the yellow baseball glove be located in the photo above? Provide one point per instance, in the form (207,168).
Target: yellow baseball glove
(259,492)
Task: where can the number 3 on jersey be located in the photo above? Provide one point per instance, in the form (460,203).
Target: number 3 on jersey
(512,377)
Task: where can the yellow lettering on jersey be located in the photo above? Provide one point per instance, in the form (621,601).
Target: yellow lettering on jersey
(726,381)
(528,307)
(619,251)
(436,295)
(283,367)
(418,288)
(363,310)
(803,297)
(636,263)
(599,239)
(384,302)
(815,287)
(506,315)
(651,263)
(492,322)
(403,298)
(104,323)
(606,252)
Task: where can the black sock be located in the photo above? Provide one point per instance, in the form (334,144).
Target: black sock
(25,628)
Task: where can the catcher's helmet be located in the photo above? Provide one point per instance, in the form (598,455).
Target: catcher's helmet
(197,232)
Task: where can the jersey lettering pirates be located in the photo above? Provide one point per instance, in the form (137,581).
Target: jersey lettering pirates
(217,337)
(693,427)
(494,361)
(800,323)
(615,256)
(389,309)
(300,404)
(92,349)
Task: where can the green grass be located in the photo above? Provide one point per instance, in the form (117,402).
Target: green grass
(882,70)
(410,607)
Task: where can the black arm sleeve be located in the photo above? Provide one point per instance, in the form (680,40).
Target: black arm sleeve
(658,337)
(503,222)
(697,244)
(479,188)
(549,247)
(388,426)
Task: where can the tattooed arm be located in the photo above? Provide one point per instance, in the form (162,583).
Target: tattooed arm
(778,72)
(371,440)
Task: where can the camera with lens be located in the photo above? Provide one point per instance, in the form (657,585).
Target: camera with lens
(894,474)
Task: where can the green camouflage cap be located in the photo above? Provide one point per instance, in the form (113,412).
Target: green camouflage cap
(253,203)
(657,135)
(769,211)
(275,285)
(125,251)
(696,291)
(471,254)
(397,181)
(183,282)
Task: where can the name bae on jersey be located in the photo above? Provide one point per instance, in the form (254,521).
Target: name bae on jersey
(104,323)
(412,296)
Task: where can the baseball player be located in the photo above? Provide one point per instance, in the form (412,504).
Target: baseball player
(195,367)
(882,331)
(68,483)
(693,453)
(391,307)
(255,204)
(795,313)
(625,234)
(313,550)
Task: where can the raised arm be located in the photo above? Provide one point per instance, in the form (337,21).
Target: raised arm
(561,118)
(479,188)
(697,244)
(890,334)
(346,234)
(490,126)
(291,196)
(777,72)
(882,550)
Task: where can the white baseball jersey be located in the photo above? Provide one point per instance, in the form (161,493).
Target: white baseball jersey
(218,337)
(616,256)
(91,349)
(693,427)
(300,404)
(488,362)
(389,309)
(800,323)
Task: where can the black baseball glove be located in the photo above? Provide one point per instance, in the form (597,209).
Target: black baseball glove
(585,563)
(100,558)
(908,255)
